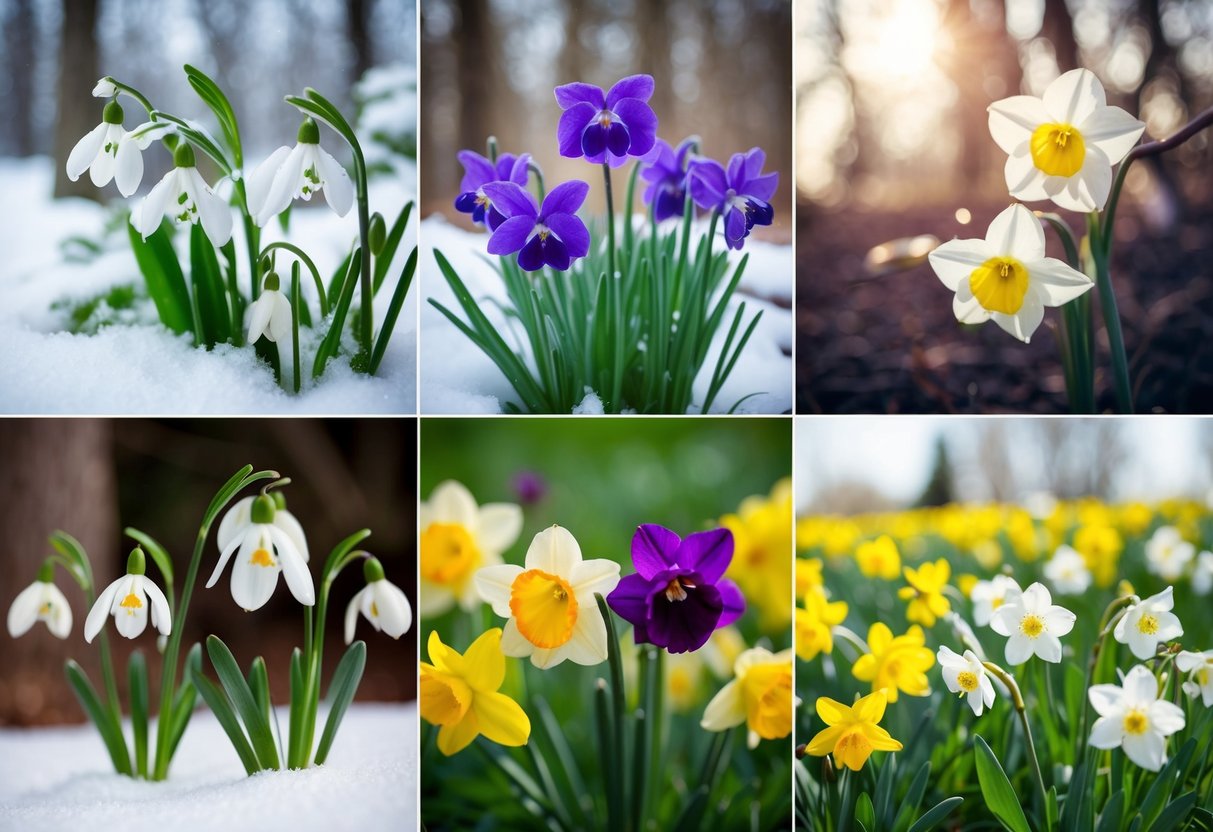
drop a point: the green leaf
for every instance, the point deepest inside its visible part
(393, 311)
(102, 717)
(185, 698)
(162, 273)
(137, 674)
(214, 98)
(341, 691)
(1177, 810)
(884, 791)
(864, 812)
(332, 339)
(296, 307)
(383, 260)
(1113, 813)
(936, 814)
(73, 552)
(298, 706)
(241, 696)
(909, 804)
(222, 709)
(212, 311)
(996, 788)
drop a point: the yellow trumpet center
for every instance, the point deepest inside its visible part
(1032, 625)
(1136, 722)
(544, 608)
(999, 284)
(262, 557)
(449, 553)
(131, 603)
(444, 698)
(1058, 149)
(967, 681)
(1147, 625)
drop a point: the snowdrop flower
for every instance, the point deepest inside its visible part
(1006, 276)
(1132, 716)
(1149, 623)
(1062, 146)
(298, 173)
(270, 314)
(183, 195)
(1200, 665)
(126, 599)
(1202, 575)
(41, 601)
(1067, 571)
(1167, 553)
(1033, 623)
(109, 152)
(550, 601)
(268, 544)
(381, 602)
(988, 596)
(105, 88)
(966, 675)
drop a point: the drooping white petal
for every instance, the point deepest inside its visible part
(85, 151)
(1056, 282)
(285, 184)
(234, 521)
(395, 614)
(1074, 96)
(255, 571)
(281, 329)
(129, 164)
(156, 204)
(150, 131)
(294, 567)
(1012, 120)
(351, 613)
(59, 620)
(101, 608)
(1024, 322)
(162, 619)
(101, 171)
(235, 541)
(338, 190)
(1015, 232)
(23, 613)
(259, 313)
(130, 607)
(257, 185)
(213, 212)
(289, 524)
(955, 260)
(1113, 131)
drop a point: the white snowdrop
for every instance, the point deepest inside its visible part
(1132, 716)
(127, 600)
(1200, 665)
(1067, 572)
(966, 675)
(1033, 624)
(988, 596)
(40, 601)
(1168, 554)
(270, 314)
(105, 88)
(298, 173)
(381, 602)
(1149, 623)
(269, 543)
(183, 195)
(110, 152)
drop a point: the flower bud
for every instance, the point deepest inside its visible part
(112, 114)
(136, 563)
(263, 509)
(105, 88)
(377, 233)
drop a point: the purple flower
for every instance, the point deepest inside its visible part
(607, 128)
(551, 234)
(678, 595)
(666, 173)
(530, 487)
(478, 172)
(741, 195)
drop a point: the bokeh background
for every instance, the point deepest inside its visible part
(92, 478)
(892, 142)
(722, 68)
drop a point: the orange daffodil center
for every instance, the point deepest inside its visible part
(544, 607)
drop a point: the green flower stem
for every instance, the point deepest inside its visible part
(1075, 328)
(252, 240)
(111, 685)
(1022, 712)
(616, 293)
(1111, 317)
(1106, 623)
(138, 96)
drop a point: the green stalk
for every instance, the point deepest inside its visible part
(111, 686)
(616, 297)
(1111, 317)
(1022, 712)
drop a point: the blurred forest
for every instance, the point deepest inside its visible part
(892, 142)
(53, 51)
(723, 71)
(91, 478)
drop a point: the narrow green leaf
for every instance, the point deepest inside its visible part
(332, 340)
(1175, 813)
(111, 732)
(296, 306)
(383, 260)
(996, 788)
(393, 311)
(72, 551)
(222, 709)
(213, 96)
(184, 700)
(137, 676)
(341, 691)
(1113, 813)
(238, 691)
(298, 705)
(259, 684)
(913, 797)
(162, 273)
(211, 298)
(936, 814)
(865, 813)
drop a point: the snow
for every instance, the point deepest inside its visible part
(61, 779)
(137, 365)
(458, 378)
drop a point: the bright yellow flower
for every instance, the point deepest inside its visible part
(459, 692)
(1100, 546)
(965, 584)
(815, 624)
(879, 558)
(853, 733)
(760, 695)
(1135, 518)
(925, 592)
(896, 663)
(808, 575)
(762, 553)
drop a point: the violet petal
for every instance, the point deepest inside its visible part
(572, 233)
(569, 95)
(511, 199)
(634, 86)
(565, 198)
(654, 549)
(530, 258)
(733, 600)
(511, 235)
(708, 553)
(572, 124)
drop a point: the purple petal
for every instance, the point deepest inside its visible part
(706, 179)
(762, 187)
(654, 549)
(641, 122)
(754, 160)
(684, 147)
(593, 140)
(629, 599)
(570, 95)
(733, 600)
(572, 124)
(518, 173)
(505, 163)
(572, 232)
(618, 139)
(477, 170)
(492, 217)
(511, 199)
(565, 198)
(466, 203)
(683, 626)
(634, 86)
(530, 259)
(511, 235)
(734, 228)
(556, 253)
(736, 172)
(670, 203)
(708, 553)
(661, 155)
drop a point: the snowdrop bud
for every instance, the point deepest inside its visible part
(136, 563)
(279, 500)
(112, 114)
(377, 233)
(493, 149)
(183, 156)
(272, 284)
(105, 88)
(263, 507)
(309, 132)
(267, 263)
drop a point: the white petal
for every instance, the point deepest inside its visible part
(1086, 190)
(60, 620)
(252, 583)
(24, 611)
(1005, 619)
(131, 621)
(588, 644)
(395, 614)
(1147, 749)
(338, 190)
(1036, 599)
(85, 151)
(156, 203)
(494, 584)
(433, 599)
(351, 613)
(450, 502)
(1140, 685)
(967, 308)
(1019, 649)
(101, 171)
(1014, 119)
(294, 567)
(235, 541)
(1166, 717)
(129, 166)
(951, 677)
(234, 522)
(1162, 601)
(161, 617)
(498, 526)
(213, 212)
(101, 608)
(1056, 282)
(1017, 233)
(726, 710)
(1074, 97)
(1107, 732)
(1141, 645)
(150, 131)
(513, 642)
(1048, 647)
(283, 187)
(987, 691)
(1187, 660)
(1113, 131)
(1024, 180)
(947, 657)
(1107, 700)
(1059, 621)
(1024, 322)
(594, 576)
(975, 701)
(955, 260)
(286, 521)
(555, 551)
(259, 314)
(281, 324)
(257, 186)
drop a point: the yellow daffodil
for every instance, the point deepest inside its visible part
(460, 693)
(815, 623)
(853, 733)
(808, 575)
(762, 551)
(879, 558)
(760, 695)
(925, 592)
(1100, 546)
(896, 663)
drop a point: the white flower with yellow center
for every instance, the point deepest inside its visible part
(457, 538)
(381, 602)
(966, 675)
(988, 596)
(1006, 276)
(41, 601)
(1149, 623)
(127, 600)
(1062, 146)
(270, 542)
(549, 601)
(1067, 572)
(1200, 665)
(298, 173)
(1168, 554)
(1132, 716)
(1033, 624)
(1202, 574)
(184, 196)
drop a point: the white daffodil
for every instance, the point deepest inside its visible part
(298, 173)
(1068, 572)
(1168, 554)
(109, 152)
(988, 596)
(966, 675)
(550, 601)
(1062, 146)
(381, 602)
(457, 538)
(41, 601)
(1149, 623)
(1006, 276)
(1131, 715)
(1034, 624)
(266, 548)
(126, 599)
(1200, 665)
(183, 195)
(1202, 574)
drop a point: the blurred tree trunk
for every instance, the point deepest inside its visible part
(1161, 62)
(19, 42)
(474, 68)
(360, 41)
(1058, 27)
(655, 55)
(77, 111)
(576, 18)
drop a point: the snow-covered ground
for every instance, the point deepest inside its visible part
(456, 377)
(54, 779)
(136, 365)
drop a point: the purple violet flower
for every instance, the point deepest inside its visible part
(478, 172)
(529, 486)
(610, 127)
(666, 173)
(550, 234)
(741, 195)
(678, 595)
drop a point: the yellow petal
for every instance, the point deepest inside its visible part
(871, 707)
(879, 637)
(501, 719)
(880, 739)
(853, 750)
(444, 658)
(864, 668)
(726, 709)
(444, 698)
(833, 712)
(824, 742)
(454, 738)
(484, 663)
